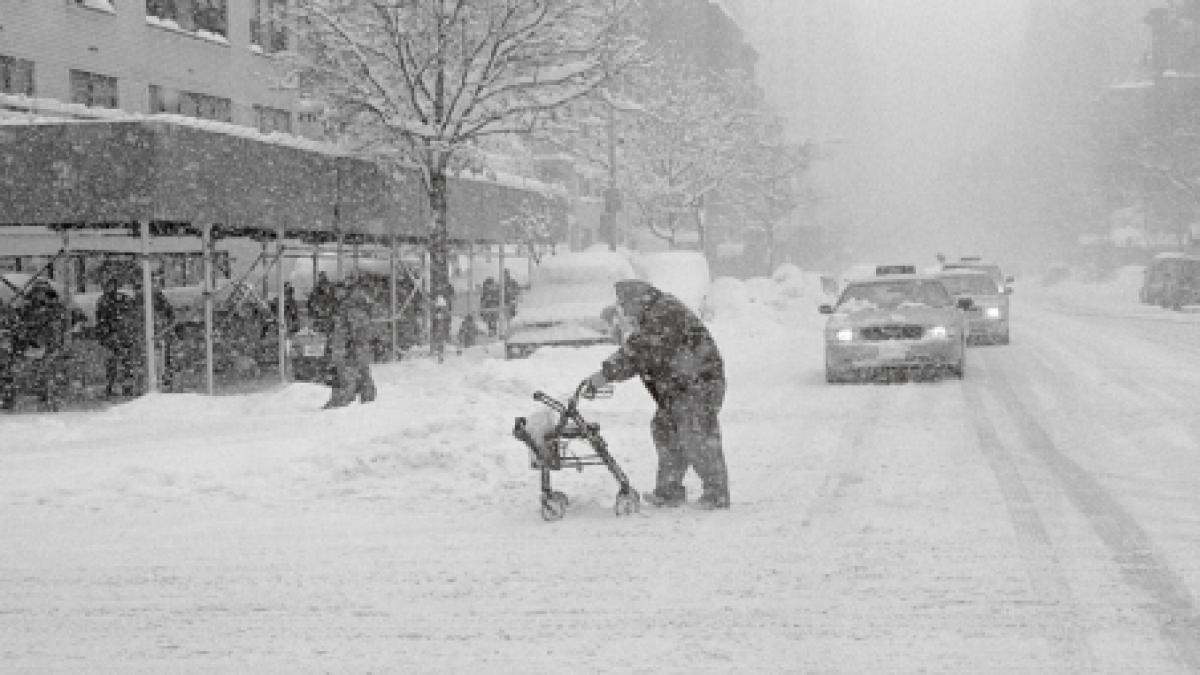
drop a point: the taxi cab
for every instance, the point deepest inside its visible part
(987, 320)
(897, 323)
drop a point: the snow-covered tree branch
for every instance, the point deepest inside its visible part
(424, 81)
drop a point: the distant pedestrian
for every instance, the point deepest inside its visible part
(489, 304)
(116, 330)
(8, 336)
(291, 310)
(350, 346)
(468, 332)
(45, 322)
(512, 291)
(440, 326)
(321, 301)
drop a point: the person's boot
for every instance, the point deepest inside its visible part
(712, 500)
(669, 498)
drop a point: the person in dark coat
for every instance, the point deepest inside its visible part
(350, 347)
(489, 304)
(117, 331)
(322, 303)
(468, 332)
(678, 361)
(8, 337)
(511, 292)
(45, 321)
(291, 310)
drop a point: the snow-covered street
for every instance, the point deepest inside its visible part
(1042, 515)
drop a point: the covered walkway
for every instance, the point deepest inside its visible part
(152, 177)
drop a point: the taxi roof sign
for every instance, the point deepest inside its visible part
(881, 270)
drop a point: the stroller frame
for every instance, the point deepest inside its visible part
(553, 453)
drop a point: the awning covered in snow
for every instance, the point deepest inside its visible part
(112, 173)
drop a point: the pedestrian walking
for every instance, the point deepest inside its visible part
(675, 356)
(350, 346)
(468, 332)
(116, 331)
(489, 304)
(44, 323)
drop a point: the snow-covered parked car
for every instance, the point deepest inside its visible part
(568, 303)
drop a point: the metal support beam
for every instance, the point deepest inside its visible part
(207, 242)
(282, 307)
(503, 295)
(148, 309)
(393, 292)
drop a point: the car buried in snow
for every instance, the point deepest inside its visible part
(895, 325)
(987, 320)
(569, 303)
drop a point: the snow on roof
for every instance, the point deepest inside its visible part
(21, 110)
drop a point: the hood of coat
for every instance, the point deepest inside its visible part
(635, 295)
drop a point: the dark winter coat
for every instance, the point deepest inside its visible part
(117, 320)
(322, 303)
(350, 340)
(670, 348)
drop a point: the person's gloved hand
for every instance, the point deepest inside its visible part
(596, 381)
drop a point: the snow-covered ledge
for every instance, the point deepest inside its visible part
(105, 6)
(172, 26)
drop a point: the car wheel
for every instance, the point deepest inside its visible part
(833, 376)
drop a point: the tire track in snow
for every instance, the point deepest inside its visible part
(1128, 543)
(1046, 574)
(843, 471)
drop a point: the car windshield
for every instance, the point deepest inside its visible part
(892, 294)
(970, 284)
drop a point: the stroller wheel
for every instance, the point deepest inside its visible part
(628, 503)
(554, 506)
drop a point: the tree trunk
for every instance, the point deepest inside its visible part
(439, 253)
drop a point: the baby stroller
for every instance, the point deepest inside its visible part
(549, 433)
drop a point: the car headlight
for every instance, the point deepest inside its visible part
(844, 335)
(939, 332)
(992, 312)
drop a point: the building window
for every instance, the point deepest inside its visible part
(16, 76)
(94, 91)
(266, 26)
(273, 119)
(190, 103)
(211, 16)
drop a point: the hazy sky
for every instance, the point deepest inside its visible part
(908, 84)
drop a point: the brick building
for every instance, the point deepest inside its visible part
(199, 58)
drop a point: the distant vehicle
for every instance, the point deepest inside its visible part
(977, 263)
(987, 320)
(890, 324)
(1170, 280)
(569, 303)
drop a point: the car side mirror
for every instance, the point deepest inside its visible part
(825, 309)
(965, 304)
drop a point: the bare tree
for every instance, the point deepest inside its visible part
(424, 82)
(684, 142)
